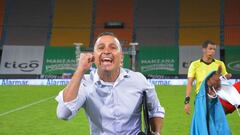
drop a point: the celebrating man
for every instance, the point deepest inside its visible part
(110, 95)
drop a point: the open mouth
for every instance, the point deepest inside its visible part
(106, 60)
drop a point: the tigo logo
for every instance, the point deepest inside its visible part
(24, 66)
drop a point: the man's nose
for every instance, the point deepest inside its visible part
(106, 50)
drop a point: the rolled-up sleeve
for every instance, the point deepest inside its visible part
(66, 110)
(154, 107)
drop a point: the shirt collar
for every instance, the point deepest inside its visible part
(201, 60)
(123, 74)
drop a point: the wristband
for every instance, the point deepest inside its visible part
(187, 100)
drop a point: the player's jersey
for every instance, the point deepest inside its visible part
(199, 70)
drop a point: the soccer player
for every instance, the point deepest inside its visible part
(200, 68)
(111, 95)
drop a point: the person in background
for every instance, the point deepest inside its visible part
(200, 68)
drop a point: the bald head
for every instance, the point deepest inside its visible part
(107, 37)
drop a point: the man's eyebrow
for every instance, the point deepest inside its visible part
(113, 44)
(99, 44)
(116, 45)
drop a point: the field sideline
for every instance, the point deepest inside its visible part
(31, 110)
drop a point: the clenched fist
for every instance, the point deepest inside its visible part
(85, 61)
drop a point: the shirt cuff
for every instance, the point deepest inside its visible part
(158, 112)
(71, 105)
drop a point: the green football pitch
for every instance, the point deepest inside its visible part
(31, 110)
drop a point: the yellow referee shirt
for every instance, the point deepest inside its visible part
(199, 70)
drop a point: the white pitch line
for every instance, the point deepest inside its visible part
(25, 106)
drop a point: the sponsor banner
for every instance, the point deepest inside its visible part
(22, 59)
(187, 54)
(34, 81)
(156, 60)
(168, 81)
(59, 60)
(232, 59)
(66, 81)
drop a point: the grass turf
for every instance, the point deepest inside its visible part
(40, 118)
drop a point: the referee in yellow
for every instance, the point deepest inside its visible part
(200, 68)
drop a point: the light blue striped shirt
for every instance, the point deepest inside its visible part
(112, 108)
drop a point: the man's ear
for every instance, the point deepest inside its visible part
(203, 50)
(122, 58)
(122, 54)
